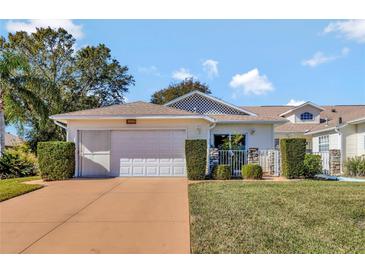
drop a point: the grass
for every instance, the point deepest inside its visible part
(10, 188)
(277, 217)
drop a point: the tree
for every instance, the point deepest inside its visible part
(175, 90)
(11, 64)
(2, 125)
(65, 78)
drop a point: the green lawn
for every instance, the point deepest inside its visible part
(277, 217)
(10, 188)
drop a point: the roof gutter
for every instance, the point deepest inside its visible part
(325, 129)
(118, 117)
(60, 124)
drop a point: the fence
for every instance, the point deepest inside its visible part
(269, 160)
(234, 158)
(325, 157)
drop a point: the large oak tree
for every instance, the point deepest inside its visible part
(64, 77)
(175, 90)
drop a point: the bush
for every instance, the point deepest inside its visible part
(221, 172)
(252, 171)
(312, 165)
(18, 162)
(56, 160)
(355, 166)
(196, 158)
(292, 157)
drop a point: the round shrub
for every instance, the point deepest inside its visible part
(312, 165)
(252, 171)
(221, 172)
(56, 160)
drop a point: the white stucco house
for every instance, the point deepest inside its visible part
(144, 139)
(338, 127)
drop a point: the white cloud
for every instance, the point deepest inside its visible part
(151, 70)
(350, 29)
(251, 82)
(182, 74)
(320, 58)
(30, 26)
(211, 68)
(295, 103)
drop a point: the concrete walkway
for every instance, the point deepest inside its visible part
(120, 215)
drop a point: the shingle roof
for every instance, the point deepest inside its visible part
(248, 118)
(346, 112)
(135, 108)
(12, 140)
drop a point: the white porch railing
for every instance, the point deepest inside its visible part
(269, 160)
(235, 158)
(325, 157)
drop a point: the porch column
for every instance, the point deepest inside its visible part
(253, 155)
(335, 161)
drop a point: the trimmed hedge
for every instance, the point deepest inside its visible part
(56, 160)
(292, 157)
(312, 165)
(196, 158)
(221, 172)
(252, 171)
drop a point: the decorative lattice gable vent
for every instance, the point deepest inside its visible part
(203, 105)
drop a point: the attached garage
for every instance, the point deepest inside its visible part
(132, 153)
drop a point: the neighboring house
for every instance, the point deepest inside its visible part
(144, 139)
(339, 127)
(12, 140)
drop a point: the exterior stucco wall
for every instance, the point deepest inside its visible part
(349, 137)
(334, 140)
(258, 136)
(195, 128)
(361, 139)
(295, 116)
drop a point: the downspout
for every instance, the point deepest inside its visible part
(208, 145)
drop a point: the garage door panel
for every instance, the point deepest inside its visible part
(151, 171)
(148, 153)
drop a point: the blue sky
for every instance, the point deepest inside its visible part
(245, 62)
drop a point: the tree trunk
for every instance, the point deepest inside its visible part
(2, 125)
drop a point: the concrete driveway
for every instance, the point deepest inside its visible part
(119, 215)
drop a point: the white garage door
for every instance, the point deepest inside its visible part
(148, 153)
(94, 153)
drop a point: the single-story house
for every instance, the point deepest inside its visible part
(144, 139)
(12, 140)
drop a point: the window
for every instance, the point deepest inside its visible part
(230, 141)
(306, 116)
(324, 144)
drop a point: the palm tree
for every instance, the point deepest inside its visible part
(2, 125)
(14, 83)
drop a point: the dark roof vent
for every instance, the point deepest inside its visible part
(340, 120)
(334, 110)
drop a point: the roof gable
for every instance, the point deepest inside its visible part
(301, 106)
(202, 103)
